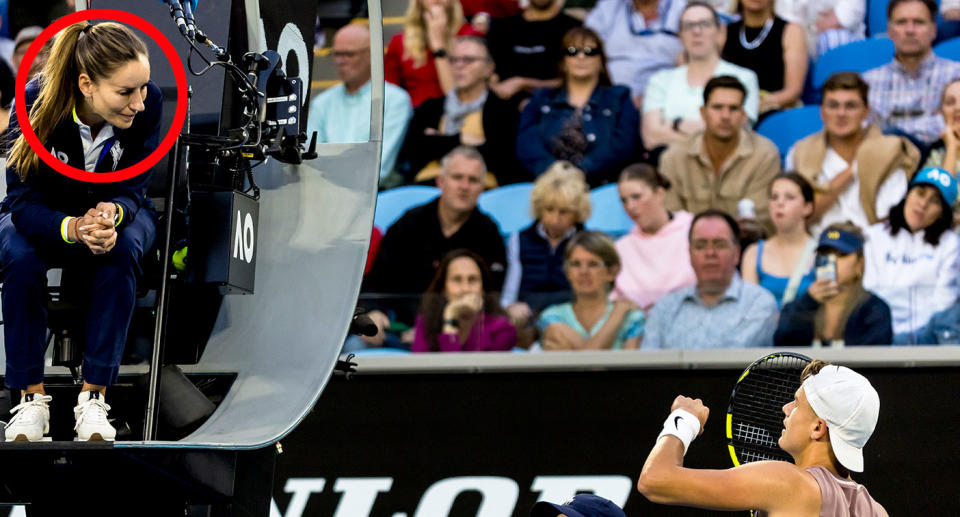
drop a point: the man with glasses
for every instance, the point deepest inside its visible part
(470, 114)
(342, 113)
(640, 37)
(673, 98)
(721, 310)
(905, 93)
(858, 173)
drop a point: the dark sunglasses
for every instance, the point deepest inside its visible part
(587, 51)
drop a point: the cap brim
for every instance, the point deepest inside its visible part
(545, 509)
(837, 246)
(848, 455)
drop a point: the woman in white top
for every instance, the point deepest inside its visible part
(912, 258)
(671, 103)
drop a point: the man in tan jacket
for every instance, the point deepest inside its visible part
(724, 164)
(858, 173)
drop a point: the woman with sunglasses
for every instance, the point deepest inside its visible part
(913, 259)
(587, 121)
(836, 308)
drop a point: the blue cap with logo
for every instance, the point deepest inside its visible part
(840, 240)
(943, 180)
(583, 505)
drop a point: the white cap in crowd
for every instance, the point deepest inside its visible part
(848, 403)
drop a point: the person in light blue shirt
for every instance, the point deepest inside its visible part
(721, 311)
(591, 321)
(342, 113)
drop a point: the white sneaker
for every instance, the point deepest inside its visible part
(91, 416)
(31, 419)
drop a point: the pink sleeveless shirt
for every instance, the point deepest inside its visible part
(841, 497)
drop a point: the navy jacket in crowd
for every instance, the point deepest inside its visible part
(543, 282)
(39, 204)
(869, 323)
(611, 126)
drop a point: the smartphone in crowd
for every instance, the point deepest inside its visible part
(825, 266)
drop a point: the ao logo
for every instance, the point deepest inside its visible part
(941, 177)
(243, 238)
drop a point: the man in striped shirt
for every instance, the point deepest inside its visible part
(905, 93)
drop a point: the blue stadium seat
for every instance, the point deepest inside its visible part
(858, 56)
(787, 126)
(608, 215)
(391, 204)
(508, 206)
(877, 17)
(949, 49)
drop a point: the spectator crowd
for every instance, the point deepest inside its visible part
(847, 238)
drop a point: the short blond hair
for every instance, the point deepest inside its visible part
(561, 183)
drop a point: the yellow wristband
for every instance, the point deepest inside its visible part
(119, 217)
(65, 230)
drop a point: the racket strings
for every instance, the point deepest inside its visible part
(757, 408)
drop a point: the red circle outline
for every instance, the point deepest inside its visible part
(180, 114)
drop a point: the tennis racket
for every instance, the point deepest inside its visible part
(755, 415)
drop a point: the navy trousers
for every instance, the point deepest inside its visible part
(113, 280)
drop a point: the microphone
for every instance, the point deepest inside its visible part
(362, 325)
(188, 17)
(176, 12)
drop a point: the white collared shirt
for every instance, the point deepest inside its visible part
(92, 147)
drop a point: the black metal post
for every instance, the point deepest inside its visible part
(160, 326)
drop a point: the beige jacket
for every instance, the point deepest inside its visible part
(877, 158)
(746, 174)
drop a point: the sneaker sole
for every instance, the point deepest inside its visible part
(95, 437)
(22, 438)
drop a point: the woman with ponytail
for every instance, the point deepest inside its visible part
(93, 107)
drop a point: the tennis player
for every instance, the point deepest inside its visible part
(829, 421)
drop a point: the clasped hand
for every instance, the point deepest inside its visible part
(96, 228)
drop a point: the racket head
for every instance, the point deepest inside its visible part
(755, 413)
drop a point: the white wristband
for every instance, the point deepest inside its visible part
(682, 424)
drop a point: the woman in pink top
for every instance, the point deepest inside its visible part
(655, 254)
(457, 314)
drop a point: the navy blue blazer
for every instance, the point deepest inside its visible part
(611, 125)
(39, 204)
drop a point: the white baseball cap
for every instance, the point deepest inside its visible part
(848, 403)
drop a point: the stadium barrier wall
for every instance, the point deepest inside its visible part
(487, 435)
